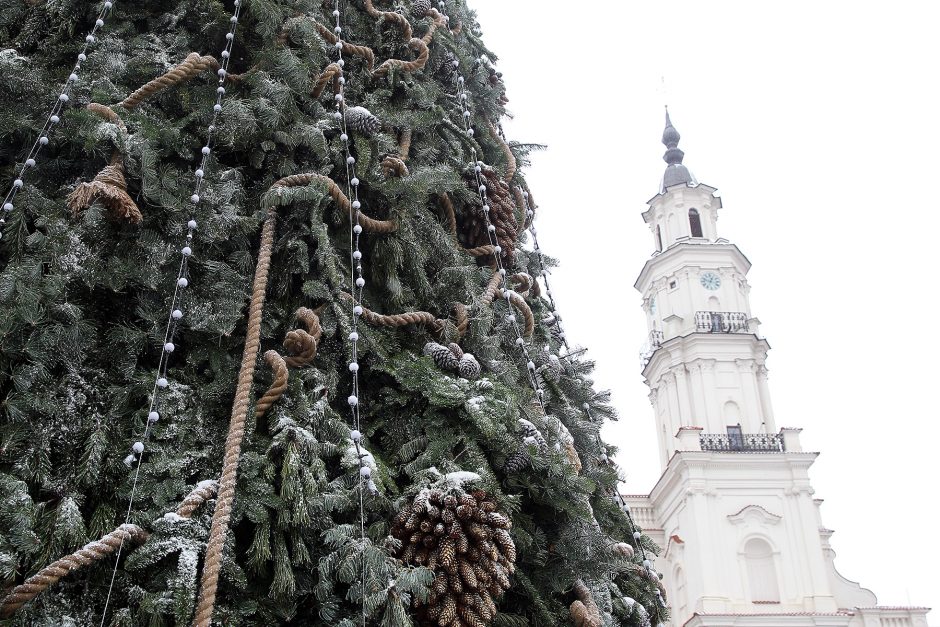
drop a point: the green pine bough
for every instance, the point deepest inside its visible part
(85, 289)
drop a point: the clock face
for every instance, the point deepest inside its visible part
(710, 281)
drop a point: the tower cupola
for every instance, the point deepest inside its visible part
(676, 173)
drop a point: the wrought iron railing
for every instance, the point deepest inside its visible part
(721, 322)
(654, 342)
(656, 339)
(742, 442)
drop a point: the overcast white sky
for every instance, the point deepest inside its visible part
(817, 122)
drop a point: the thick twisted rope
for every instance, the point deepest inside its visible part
(368, 224)
(507, 152)
(302, 343)
(419, 62)
(438, 21)
(297, 341)
(400, 320)
(109, 185)
(330, 74)
(519, 303)
(390, 16)
(491, 289)
(88, 554)
(200, 494)
(223, 510)
(392, 165)
(404, 144)
(448, 206)
(95, 551)
(523, 280)
(236, 432)
(278, 385)
(107, 114)
(348, 48)
(480, 251)
(419, 45)
(190, 67)
(463, 320)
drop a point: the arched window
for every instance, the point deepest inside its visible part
(731, 413)
(695, 222)
(681, 597)
(761, 571)
(659, 238)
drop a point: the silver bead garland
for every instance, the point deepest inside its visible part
(355, 253)
(466, 114)
(357, 287)
(463, 98)
(182, 281)
(54, 116)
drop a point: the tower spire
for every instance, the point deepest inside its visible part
(676, 173)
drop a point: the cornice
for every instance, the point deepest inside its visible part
(703, 252)
(752, 468)
(676, 348)
(754, 511)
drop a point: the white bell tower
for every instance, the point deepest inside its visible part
(743, 542)
(711, 373)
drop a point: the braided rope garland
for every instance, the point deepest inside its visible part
(113, 178)
(295, 340)
(182, 282)
(500, 276)
(95, 551)
(53, 118)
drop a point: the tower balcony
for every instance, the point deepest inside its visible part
(721, 322)
(655, 341)
(736, 442)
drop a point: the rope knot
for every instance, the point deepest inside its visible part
(110, 188)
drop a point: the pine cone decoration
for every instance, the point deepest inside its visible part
(420, 8)
(623, 550)
(517, 462)
(362, 121)
(551, 369)
(529, 430)
(442, 356)
(472, 223)
(447, 66)
(469, 549)
(468, 367)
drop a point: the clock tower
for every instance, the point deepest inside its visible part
(742, 537)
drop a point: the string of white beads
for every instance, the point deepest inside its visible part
(466, 114)
(175, 316)
(54, 116)
(463, 98)
(182, 282)
(357, 279)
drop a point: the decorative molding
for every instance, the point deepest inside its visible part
(756, 513)
(674, 545)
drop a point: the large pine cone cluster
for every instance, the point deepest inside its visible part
(466, 542)
(452, 357)
(471, 225)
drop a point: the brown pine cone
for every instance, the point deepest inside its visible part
(465, 542)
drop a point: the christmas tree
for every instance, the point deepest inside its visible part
(276, 343)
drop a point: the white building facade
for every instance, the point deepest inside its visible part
(743, 541)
